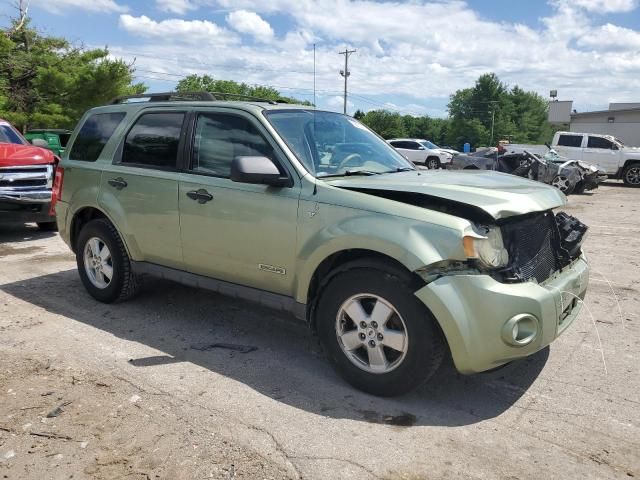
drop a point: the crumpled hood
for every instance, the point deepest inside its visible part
(14, 155)
(498, 194)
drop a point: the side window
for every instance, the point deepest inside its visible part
(395, 144)
(570, 140)
(219, 138)
(94, 135)
(153, 140)
(599, 142)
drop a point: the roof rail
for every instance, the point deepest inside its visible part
(192, 96)
(166, 97)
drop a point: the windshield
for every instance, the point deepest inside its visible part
(332, 144)
(619, 141)
(9, 135)
(428, 144)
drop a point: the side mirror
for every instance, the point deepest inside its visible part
(258, 170)
(421, 148)
(38, 142)
(614, 147)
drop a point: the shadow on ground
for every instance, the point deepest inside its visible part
(287, 365)
(20, 232)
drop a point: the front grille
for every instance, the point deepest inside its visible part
(533, 247)
(26, 178)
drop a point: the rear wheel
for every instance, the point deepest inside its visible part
(432, 163)
(631, 175)
(103, 263)
(379, 336)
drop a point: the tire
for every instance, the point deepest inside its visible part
(631, 175)
(123, 283)
(420, 352)
(432, 163)
(579, 188)
(48, 226)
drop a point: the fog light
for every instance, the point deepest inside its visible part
(520, 330)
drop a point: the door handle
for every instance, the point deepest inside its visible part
(119, 183)
(201, 196)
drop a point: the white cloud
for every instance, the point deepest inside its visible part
(605, 6)
(177, 30)
(250, 23)
(63, 6)
(414, 53)
(179, 7)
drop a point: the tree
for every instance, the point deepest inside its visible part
(359, 115)
(385, 123)
(45, 82)
(206, 83)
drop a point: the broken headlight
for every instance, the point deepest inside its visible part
(486, 246)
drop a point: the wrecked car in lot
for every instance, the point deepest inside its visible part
(568, 176)
(311, 213)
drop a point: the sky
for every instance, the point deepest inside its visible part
(410, 56)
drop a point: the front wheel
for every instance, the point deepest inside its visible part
(432, 163)
(379, 336)
(103, 263)
(631, 175)
(48, 226)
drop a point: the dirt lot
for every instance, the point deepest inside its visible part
(128, 391)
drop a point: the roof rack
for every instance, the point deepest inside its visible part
(191, 96)
(165, 97)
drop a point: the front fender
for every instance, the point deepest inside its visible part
(411, 242)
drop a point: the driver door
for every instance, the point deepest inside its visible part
(236, 232)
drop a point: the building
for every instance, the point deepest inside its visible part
(622, 120)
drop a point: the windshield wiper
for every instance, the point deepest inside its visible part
(351, 173)
(402, 169)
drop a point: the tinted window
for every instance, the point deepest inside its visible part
(570, 140)
(153, 140)
(598, 142)
(219, 138)
(94, 135)
(395, 144)
(413, 146)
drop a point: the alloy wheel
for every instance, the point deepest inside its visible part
(562, 183)
(371, 333)
(98, 263)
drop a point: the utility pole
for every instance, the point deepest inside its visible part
(493, 117)
(345, 73)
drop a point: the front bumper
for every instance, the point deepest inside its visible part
(25, 206)
(473, 309)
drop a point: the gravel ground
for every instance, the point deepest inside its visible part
(127, 391)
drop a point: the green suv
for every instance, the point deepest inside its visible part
(309, 212)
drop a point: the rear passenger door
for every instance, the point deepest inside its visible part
(236, 232)
(140, 188)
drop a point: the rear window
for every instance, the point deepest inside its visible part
(94, 135)
(570, 140)
(153, 141)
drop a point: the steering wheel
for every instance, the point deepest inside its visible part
(348, 159)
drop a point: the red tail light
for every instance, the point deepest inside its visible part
(56, 190)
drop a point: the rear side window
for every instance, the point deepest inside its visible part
(570, 140)
(219, 138)
(599, 142)
(94, 135)
(153, 140)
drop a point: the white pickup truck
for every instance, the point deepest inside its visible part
(604, 151)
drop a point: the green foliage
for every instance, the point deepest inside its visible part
(45, 82)
(206, 83)
(515, 114)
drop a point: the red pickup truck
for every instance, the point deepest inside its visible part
(26, 180)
